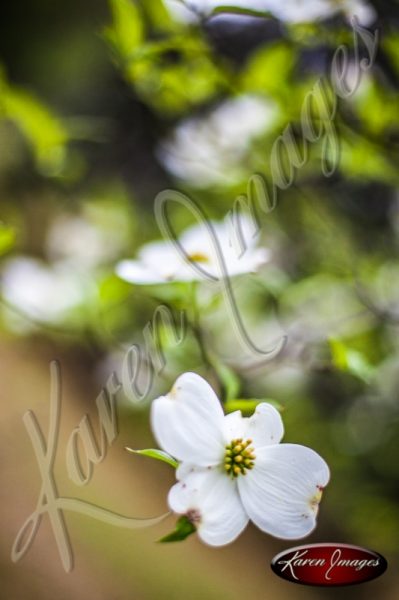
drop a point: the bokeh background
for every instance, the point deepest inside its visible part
(102, 106)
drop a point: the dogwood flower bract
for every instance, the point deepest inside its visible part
(291, 11)
(212, 149)
(233, 469)
(161, 262)
(303, 11)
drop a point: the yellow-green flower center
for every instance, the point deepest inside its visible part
(239, 457)
(198, 257)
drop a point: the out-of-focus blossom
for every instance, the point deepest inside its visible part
(291, 11)
(302, 11)
(41, 292)
(188, 11)
(161, 262)
(205, 151)
(77, 240)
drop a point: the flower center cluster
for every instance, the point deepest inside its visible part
(198, 257)
(239, 457)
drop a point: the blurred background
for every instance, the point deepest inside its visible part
(104, 105)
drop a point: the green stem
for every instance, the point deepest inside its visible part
(228, 382)
(197, 330)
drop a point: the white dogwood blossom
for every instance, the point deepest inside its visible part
(291, 11)
(233, 469)
(161, 262)
(303, 11)
(211, 149)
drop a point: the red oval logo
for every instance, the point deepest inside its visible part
(329, 564)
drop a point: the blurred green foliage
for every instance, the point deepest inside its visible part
(7, 238)
(42, 129)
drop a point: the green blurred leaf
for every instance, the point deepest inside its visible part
(157, 455)
(159, 16)
(174, 292)
(230, 381)
(158, 68)
(351, 361)
(7, 238)
(184, 528)
(113, 290)
(365, 160)
(127, 32)
(378, 108)
(390, 44)
(44, 131)
(248, 406)
(269, 70)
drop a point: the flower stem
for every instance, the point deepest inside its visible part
(196, 328)
(227, 381)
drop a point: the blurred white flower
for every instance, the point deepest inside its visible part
(161, 262)
(76, 240)
(233, 469)
(205, 151)
(364, 11)
(303, 11)
(291, 11)
(41, 292)
(189, 10)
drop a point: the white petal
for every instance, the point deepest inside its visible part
(234, 427)
(134, 271)
(212, 496)
(282, 493)
(198, 240)
(249, 262)
(184, 469)
(364, 12)
(158, 254)
(265, 427)
(158, 262)
(188, 422)
(188, 492)
(167, 259)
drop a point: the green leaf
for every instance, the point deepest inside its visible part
(230, 381)
(365, 160)
(43, 130)
(248, 406)
(184, 528)
(7, 238)
(351, 361)
(269, 70)
(112, 289)
(157, 454)
(158, 67)
(378, 109)
(126, 33)
(159, 16)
